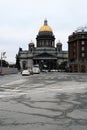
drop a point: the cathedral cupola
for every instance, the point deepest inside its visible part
(45, 37)
(45, 27)
(31, 46)
(59, 46)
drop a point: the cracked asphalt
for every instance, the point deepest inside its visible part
(46, 101)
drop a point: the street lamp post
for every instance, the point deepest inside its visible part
(2, 56)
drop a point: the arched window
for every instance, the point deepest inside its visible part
(24, 64)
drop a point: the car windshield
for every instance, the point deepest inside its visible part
(36, 66)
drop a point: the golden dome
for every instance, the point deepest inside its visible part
(45, 27)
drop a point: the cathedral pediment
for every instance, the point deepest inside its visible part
(45, 55)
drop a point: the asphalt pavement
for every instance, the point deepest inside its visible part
(45, 101)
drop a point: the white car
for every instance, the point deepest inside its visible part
(36, 70)
(25, 73)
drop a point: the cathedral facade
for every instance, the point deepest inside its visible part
(46, 54)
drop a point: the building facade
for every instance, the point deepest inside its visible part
(46, 54)
(77, 50)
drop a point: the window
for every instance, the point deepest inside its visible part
(82, 48)
(83, 43)
(83, 54)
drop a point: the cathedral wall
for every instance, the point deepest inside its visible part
(30, 63)
(23, 64)
(26, 63)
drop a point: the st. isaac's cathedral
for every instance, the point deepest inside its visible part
(46, 54)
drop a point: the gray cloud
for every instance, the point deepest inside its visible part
(20, 21)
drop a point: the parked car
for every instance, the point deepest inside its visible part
(36, 69)
(25, 73)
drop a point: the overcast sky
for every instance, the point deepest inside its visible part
(20, 21)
